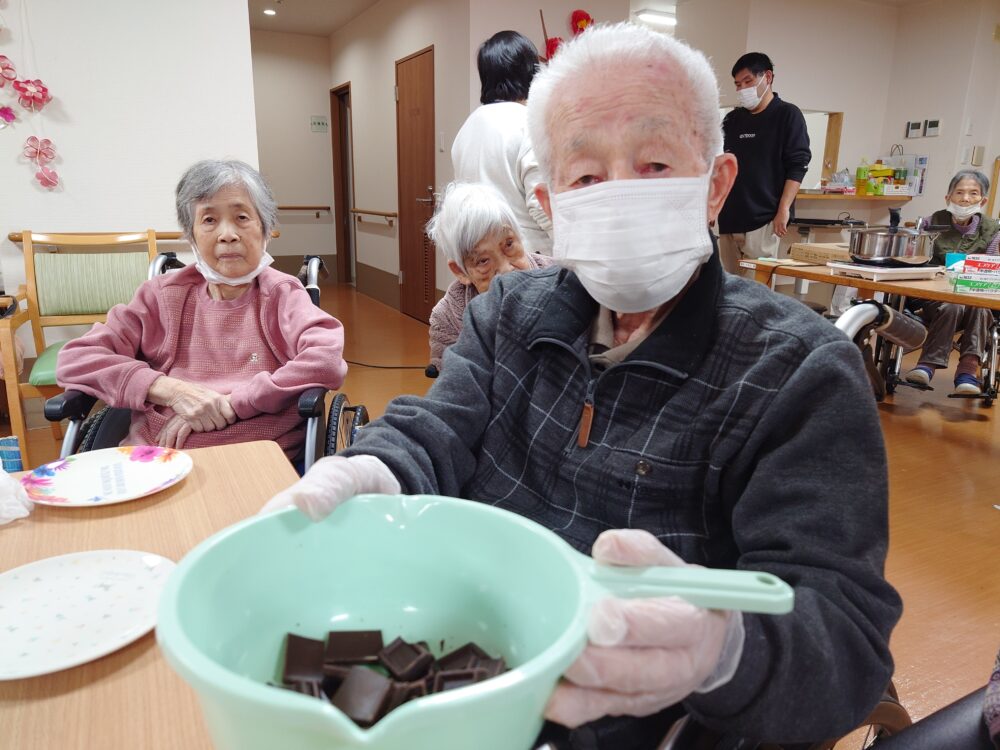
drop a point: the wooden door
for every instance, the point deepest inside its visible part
(343, 180)
(415, 165)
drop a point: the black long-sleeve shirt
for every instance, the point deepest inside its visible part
(770, 147)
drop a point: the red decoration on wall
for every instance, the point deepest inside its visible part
(7, 116)
(32, 95)
(47, 177)
(580, 20)
(39, 151)
(7, 72)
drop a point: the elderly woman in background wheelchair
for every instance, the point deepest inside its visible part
(477, 232)
(217, 352)
(970, 232)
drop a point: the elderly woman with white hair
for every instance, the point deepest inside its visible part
(651, 409)
(217, 352)
(477, 233)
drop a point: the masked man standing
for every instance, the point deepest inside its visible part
(652, 410)
(769, 139)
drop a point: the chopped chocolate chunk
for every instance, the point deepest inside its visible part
(406, 661)
(353, 647)
(334, 677)
(307, 687)
(303, 659)
(450, 679)
(464, 657)
(493, 667)
(404, 691)
(363, 695)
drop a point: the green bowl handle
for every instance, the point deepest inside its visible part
(743, 590)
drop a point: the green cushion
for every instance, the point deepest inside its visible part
(44, 371)
(87, 283)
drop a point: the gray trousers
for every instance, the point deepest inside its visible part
(943, 319)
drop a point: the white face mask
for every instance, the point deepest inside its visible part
(963, 212)
(214, 277)
(634, 244)
(748, 98)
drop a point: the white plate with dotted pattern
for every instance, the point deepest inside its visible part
(64, 611)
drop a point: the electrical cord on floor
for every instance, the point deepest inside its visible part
(386, 367)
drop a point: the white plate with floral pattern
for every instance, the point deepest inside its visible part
(63, 611)
(107, 476)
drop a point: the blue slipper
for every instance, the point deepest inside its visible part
(967, 385)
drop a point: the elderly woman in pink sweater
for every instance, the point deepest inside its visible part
(217, 352)
(477, 232)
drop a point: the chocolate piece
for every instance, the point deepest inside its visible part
(493, 667)
(363, 695)
(464, 657)
(353, 647)
(406, 661)
(303, 659)
(404, 691)
(452, 679)
(334, 677)
(307, 687)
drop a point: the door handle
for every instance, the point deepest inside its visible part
(424, 200)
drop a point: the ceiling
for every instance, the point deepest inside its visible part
(315, 17)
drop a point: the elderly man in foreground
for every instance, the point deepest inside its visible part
(651, 409)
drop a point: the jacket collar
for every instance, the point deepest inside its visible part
(680, 342)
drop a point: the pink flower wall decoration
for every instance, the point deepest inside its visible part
(47, 178)
(7, 115)
(32, 94)
(39, 151)
(7, 72)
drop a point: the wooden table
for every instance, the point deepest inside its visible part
(131, 698)
(935, 289)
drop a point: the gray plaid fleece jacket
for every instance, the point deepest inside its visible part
(742, 433)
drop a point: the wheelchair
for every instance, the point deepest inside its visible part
(109, 426)
(887, 719)
(888, 357)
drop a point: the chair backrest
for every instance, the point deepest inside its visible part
(82, 276)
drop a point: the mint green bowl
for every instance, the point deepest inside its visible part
(420, 567)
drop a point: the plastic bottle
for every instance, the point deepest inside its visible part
(861, 178)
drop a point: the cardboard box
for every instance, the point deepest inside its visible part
(820, 252)
(970, 283)
(982, 264)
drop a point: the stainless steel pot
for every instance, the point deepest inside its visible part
(892, 245)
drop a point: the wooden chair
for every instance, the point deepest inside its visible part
(75, 282)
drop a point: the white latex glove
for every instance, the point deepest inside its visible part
(331, 481)
(645, 654)
(14, 502)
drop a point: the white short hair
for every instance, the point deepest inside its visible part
(468, 213)
(602, 46)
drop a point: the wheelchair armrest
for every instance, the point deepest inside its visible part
(69, 405)
(312, 403)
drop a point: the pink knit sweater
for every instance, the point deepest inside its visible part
(446, 317)
(263, 349)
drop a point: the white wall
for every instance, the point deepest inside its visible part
(831, 56)
(291, 81)
(364, 53)
(487, 17)
(719, 29)
(142, 90)
(945, 67)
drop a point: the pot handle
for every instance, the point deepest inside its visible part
(713, 588)
(893, 220)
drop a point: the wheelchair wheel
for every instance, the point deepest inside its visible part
(90, 429)
(338, 425)
(359, 420)
(886, 719)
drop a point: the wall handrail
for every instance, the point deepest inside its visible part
(16, 236)
(389, 216)
(304, 208)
